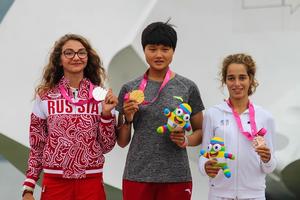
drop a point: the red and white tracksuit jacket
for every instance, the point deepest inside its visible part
(68, 140)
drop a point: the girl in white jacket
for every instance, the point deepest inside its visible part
(248, 132)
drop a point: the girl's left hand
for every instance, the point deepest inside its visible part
(264, 153)
(178, 137)
(109, 103)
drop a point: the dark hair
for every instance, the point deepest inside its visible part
(159, 33)
(53, 71)
(249, 64)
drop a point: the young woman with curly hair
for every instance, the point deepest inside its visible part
(70, 131)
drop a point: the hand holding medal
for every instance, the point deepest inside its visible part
(99, 93)
(135, 95)
(259, 140)
(109, 100)
(131, 104)
(260, 146)
(264, 153)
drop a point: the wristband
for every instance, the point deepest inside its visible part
(187, 140)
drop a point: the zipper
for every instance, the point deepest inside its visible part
(75, 96)
(237, 164)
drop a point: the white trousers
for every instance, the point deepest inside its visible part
(211, 197)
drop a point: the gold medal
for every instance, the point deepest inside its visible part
(137, 95)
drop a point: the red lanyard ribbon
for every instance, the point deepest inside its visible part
(144, 82)
(237, 118)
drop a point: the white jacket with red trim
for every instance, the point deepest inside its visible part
(68, 140)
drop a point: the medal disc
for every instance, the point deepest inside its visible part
(99, 93)
(258, 141)
(137, 95)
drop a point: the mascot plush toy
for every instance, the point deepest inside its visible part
(180, 117)
(216, 150)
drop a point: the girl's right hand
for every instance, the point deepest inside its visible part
(28, 196)
(130, 107)
(211, 168)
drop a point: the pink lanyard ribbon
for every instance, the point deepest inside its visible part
(253, 133)
(80, 102)
(144, 82)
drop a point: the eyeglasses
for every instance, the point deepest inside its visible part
(70, 53)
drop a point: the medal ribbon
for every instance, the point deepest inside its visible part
(144, 82)
(237, 118)
(80, 102)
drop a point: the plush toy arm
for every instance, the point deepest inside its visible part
(204, 153)
(225, 169)
(162, 129)
(229, 155)
(187, 127)
(167, 112)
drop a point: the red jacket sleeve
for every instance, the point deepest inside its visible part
(107, 133)
(37, 139)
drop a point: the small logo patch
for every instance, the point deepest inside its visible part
(188, 190)
(224, 122)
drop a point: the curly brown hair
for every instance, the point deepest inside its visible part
(53, 71)
(249, 64)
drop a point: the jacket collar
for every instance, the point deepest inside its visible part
(83, 90)
(225, 107)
